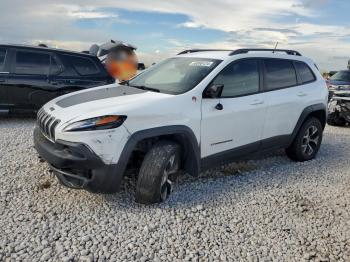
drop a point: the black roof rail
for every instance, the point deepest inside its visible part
(246, 50)
(201, 50)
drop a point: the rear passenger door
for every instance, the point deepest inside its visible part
(79, 73)
(28, 80)
(285, 100)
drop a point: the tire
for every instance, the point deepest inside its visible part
(307, 142)
(335, 120)
(153, 183)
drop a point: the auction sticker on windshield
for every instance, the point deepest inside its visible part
(201, 63)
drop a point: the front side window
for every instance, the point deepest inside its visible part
(84, 66)
(239, 78)
(304, 72)
(2, 58)
(175, 75)
(279, 73)
(32, 63)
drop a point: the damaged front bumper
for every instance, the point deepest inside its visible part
(340, 107)
(77, 166)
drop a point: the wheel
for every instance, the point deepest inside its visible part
(307, 142)
(160, 163)
(335, 120)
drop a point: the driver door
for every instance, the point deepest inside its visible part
(236, 126)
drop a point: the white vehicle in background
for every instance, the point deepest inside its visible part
(199, 109)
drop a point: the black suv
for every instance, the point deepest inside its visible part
(30, 76)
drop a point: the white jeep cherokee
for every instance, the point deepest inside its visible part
(199, 109)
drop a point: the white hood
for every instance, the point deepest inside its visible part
(110, 99)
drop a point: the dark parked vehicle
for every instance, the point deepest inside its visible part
(31, 76)
(340, 81)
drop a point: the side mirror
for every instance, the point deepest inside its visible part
(213, 91)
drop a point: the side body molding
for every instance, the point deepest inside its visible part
(193, 163)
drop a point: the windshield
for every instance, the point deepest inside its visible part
(175, 75)
(341, 76)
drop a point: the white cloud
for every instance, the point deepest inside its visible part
(248, 23)
(189, 25)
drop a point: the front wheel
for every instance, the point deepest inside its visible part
(153, 183)
(307, 142)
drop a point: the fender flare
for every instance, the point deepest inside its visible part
(305, 114)
(188, 141)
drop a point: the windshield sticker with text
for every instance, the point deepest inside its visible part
(201, 63)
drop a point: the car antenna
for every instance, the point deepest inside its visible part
(275, 47)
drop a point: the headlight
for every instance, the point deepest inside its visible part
(96, 123)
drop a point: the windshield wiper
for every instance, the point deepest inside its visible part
(146, 88)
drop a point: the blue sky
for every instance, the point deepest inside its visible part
(151, 31)
(319, 29)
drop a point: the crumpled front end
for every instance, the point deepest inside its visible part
(339, 107)
(77, 166)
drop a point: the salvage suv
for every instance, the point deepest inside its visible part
(199, 109)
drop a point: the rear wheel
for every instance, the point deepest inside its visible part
(159, 165)
(307, 142)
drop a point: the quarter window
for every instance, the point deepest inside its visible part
(83, 66)
(2, 58)
(239, 78)
(32, 63)
(304, 72)
(279, 74)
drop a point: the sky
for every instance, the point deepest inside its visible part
(319, 29)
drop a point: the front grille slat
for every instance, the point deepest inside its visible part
(52, 128)
(43, 120)
(47, 124)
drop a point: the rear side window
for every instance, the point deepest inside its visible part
(279, 73)
(2, 58)
(305, 72)
(239, 78)
(84, 66)
(32, 63)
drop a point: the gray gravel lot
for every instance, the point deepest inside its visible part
(269, 210)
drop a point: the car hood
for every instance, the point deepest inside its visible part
(110, 99)
(337, 83)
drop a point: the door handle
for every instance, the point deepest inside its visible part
(301, 94)
(257, 102)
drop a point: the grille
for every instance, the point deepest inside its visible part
(47, 124)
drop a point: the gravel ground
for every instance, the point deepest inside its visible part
(268, 210)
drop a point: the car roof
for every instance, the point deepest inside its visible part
(42, 48)
(233, 55)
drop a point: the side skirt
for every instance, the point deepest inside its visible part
(246, 152)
